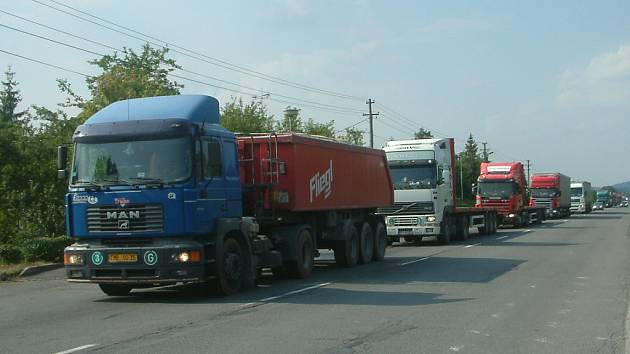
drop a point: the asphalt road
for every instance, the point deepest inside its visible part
(562, 287)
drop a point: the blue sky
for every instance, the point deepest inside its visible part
(544, 81)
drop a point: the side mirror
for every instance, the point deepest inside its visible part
(473, 188)
(445, 178)
(62, 162)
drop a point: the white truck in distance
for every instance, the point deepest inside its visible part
(581, 197)
(423, 178)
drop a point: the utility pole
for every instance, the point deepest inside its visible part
(485, 152)
(371, 115)
(461, 179)
(527, 182)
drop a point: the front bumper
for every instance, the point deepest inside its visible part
(153, 265)
(410, 231)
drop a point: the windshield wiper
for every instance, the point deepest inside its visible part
(148, 180)
(87, 183)
(404, 208)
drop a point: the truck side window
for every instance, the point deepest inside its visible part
(440, 174)
(230, 162)
(212, 158)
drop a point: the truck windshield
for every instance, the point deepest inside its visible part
(133, 162)
(576, 191)
(545, 192)
(497, 189)
(414, 176)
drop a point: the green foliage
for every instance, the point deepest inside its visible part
(9, 98)
(423, 134)
(45, 248)
(353, 136)
(322, 129)
(10, 254)
(470, 161)
(291, 121)
(131, 76)
(246, 118)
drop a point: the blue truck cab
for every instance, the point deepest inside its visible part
(155, 198)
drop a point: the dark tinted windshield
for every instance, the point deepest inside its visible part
(576, 191)
(414, 176)
(168, 160)
(545, 192)
(497, 189)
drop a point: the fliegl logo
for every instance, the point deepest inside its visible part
(322, 183)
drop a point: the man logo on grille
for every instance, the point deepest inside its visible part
(123, 224)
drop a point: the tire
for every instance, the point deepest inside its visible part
(409, 239)
(525, 219)
(302, 267)
(347, 251)
(495, 223)
(115, 289)
(230, 267)
(380, 242)
(444, 238)
(462, 228)
(366, 244)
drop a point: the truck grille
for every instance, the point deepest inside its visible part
(503, 206)
(418, 208)
(132, 218)
(546, 202)
(405, 221)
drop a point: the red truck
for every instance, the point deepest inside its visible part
(502, 185)
(553, 192)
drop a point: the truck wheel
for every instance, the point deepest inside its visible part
(303, 265)
(494, 221)
(347, 251)
(462, 228)
(380, 242)
(444, 238)
(115, 289)
(230, 267)
(366, 244)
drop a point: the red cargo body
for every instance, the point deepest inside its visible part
(301, 173)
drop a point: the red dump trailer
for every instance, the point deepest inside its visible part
(294, 183)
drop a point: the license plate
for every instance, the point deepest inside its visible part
(405, 232)
(122, 258)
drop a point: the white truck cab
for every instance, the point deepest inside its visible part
(423, 187)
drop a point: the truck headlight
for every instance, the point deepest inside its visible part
(186, 257)
(72, 259)
(430, 218)
(511, 215)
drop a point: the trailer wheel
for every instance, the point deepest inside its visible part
(230, 267)
(494, 222)
(366, 244)
(380, 242)
(462, 228)
(347, 251)
(115, 289)
(303, 265)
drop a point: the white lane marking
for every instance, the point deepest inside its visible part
(414, 261)
(474, 331)
(532, 286)
(501, 238)
(271, 298)
(456, 348)
(553, 324)
(601, 338)
(543, 340)
(468, 246)
(495, 315)
(564, 311)
(77, 349)
(582, 277)
(528, 230)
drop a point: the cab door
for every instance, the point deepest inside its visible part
(212, 203)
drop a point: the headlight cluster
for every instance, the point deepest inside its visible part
(390, 221)
(430, 218)
(72, 259)
(186, 257)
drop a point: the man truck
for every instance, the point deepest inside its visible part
(423, 174)
(581, 197)
(160, 193)
(553, 191)
(605, 198)
(501, 185)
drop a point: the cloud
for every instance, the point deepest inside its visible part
(604, 82)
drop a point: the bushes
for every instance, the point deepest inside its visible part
(45, 248)
(10, 254)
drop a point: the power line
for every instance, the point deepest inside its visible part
(45, 63)
(310, 104)
(197, 55)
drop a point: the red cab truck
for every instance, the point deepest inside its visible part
(502, 185)
(552, 191)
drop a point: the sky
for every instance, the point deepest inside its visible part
(545, 81)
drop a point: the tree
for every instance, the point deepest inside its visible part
(323, 129)
(10, 98)
(291, 122)
(353, 136)
(246, 118)
(423, 134)
(470, 161)
(131, 76)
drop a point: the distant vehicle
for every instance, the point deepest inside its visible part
(424, 180)
(605, 197)
(502, 186)
(581, 197)
(553, 191)
(624, 204)
(598, 206)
